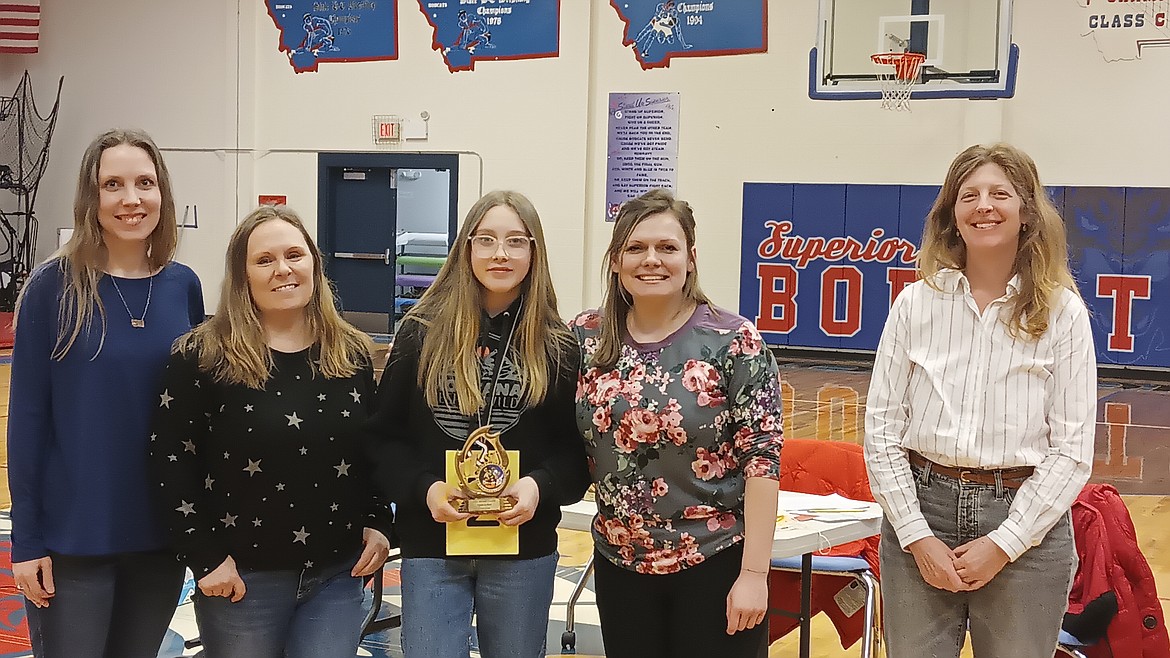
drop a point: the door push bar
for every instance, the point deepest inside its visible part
(384, 257)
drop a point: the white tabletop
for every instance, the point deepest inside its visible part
(841, 522)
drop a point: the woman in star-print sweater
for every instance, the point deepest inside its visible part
(256, 451)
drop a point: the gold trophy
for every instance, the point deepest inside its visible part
(482, 469)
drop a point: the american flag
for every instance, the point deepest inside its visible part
(20, 26)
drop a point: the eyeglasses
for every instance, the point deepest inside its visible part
(514, 245)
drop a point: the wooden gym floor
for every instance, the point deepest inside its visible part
(827, 402)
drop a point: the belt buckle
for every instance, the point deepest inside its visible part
(963, 473)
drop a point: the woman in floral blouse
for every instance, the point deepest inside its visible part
(680, 409)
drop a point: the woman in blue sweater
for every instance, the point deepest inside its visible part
(94, 327)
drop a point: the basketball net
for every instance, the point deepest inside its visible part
(1155, 7)
(898, 81)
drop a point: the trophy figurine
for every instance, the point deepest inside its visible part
(482, 469)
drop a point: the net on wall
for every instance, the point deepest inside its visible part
(25, 135)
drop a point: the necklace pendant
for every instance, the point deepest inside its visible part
(137, 324)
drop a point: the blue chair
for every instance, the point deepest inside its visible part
(376, 622)
(858, 568)
(569, 637)
(813, 466)
(1069, 644)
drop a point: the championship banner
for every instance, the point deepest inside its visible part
(315, 31)
(822, 263)
(659, 30)
(467, 31)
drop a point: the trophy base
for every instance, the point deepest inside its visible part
(484, 505)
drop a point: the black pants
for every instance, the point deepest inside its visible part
(674, 615)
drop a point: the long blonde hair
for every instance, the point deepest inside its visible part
(231, 345)
(82, 258)
(1042, 254)
(617, 302)
(452, 305)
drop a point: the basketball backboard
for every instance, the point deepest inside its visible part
(967, 44)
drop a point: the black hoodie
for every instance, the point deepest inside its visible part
(410, 439)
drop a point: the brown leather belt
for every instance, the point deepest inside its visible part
(1012, 478)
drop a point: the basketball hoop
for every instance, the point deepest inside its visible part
(899, 82)
(1152, 9)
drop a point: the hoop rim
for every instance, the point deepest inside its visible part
(906, 64)
(895, 57)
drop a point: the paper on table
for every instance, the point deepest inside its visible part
(826, 508)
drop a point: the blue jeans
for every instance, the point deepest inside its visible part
(311, 613)
(510, 599)
(110, 606)
(1016, 615)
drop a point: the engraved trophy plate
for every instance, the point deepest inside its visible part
(482, 469)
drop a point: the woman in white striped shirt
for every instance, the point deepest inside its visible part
(980, 418)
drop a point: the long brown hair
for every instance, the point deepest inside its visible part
(617, 302)
(82, 258)
(231, 345)
(1042, 253)
(453, 304)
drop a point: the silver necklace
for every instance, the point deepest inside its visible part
(137, 323)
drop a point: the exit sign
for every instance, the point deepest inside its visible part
(387, 129)
(272, 200)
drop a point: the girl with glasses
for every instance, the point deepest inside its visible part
(483, 348)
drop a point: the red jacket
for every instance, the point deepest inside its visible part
(1111, 560)
(822, 467)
